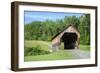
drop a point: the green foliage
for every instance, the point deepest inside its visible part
(45, 30)
(34, 51)
(72, 20)
(84, 28)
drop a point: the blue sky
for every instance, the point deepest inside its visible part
(42, 16)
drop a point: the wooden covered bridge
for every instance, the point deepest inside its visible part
(69, 35)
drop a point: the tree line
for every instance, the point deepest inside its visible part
(45, 30)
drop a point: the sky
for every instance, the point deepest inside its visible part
(30, 16)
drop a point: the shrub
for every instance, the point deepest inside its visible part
(34, 51)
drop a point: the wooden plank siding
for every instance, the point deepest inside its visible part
(56, 42)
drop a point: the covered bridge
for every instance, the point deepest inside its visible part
(69, 35)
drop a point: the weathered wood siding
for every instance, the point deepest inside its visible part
(57, 40)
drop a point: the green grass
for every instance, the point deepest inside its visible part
(84, 47)
(34, 43)
(60, 55)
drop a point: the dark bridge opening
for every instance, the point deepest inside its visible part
(69, 40)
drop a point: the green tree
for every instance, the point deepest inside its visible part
(45, 30)
(84, 28)
(71, 20)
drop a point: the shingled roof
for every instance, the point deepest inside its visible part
(65, 29)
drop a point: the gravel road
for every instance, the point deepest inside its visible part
(80, 54)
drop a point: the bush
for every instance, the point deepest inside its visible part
(34, 51)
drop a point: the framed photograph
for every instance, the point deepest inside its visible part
(52, 36)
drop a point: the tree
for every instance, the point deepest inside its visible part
(45, 30)
(84, 28)
(72, 20)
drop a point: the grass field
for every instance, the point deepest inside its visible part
(84, 47)
(60, 55)
(34, 43)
